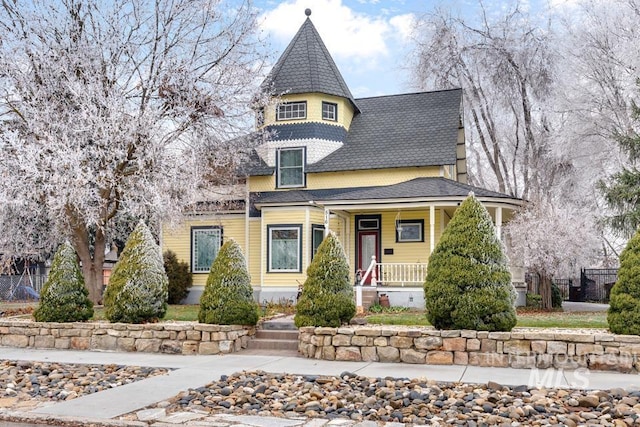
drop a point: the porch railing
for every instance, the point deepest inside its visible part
(395, 273)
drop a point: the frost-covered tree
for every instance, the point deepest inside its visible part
(624, 305)
(138, 285)
(552, 241)
(468, 283)
(505, 62)
(64, 298)
(228, 296)
(327, 294)
(117, 110)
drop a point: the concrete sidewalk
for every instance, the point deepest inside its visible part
(197, 371)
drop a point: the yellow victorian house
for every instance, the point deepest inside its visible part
(385, 174)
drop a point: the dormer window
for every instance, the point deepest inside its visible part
(292, 111)
(290, 167)
(329, 111)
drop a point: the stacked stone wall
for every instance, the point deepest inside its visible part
(172, 338)
(520, 348)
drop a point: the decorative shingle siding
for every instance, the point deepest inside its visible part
(307, 130)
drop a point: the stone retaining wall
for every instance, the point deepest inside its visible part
(520, 348)
(173, 338)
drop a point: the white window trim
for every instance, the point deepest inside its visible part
(194, 231)
(284, 111)
(404, 223)
(335, 111)
(296, 227)
(302, 166)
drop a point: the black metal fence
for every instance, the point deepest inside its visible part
(593, 285)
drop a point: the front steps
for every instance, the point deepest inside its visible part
(278, 336)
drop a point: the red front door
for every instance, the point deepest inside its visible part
(368, 246)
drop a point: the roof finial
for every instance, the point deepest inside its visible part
(307, 12)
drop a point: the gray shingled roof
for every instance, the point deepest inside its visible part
(306, 66)
(418, 188)
(416, 129)
(307, 130)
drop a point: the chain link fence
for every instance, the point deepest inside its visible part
(23, 287)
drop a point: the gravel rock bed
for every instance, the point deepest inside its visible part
(413, 401)
(25, 384)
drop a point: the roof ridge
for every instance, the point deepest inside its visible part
(411, 93)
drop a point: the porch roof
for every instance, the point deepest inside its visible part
(427, 189)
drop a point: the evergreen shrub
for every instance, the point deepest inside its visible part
(64, 297)
(179, 275)
(468, 283)
(327, 294)
(624, 303)
(228, 296)
(138, 286)
(556, 296)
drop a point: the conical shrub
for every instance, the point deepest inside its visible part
(138, 286)
(228, 296)
(468, 283)
(64, 297)
(180, 278)
(624, 302)
(327, 294)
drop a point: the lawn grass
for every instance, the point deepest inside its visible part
(174, 312)
(526, 318)
(529, 319)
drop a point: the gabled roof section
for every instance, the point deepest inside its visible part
(306, 66)
(414, 129)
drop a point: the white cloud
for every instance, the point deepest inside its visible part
(346, 33)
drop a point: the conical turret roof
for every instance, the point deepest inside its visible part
(306, 66)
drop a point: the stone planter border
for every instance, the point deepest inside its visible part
(521, 348)
(165, 337)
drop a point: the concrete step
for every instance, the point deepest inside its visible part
(277, 334)
(279, 325)
(271, 344)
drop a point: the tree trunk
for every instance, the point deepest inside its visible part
(545, 292)
(91, 263)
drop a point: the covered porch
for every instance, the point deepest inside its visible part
(389, 232)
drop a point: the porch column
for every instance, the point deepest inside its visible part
(499, 222)
(327, 217)
(432, 228)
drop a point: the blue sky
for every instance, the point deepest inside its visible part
(368, 39)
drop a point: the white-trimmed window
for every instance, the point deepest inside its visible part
(290, 167)
(410, 230)
(329, 111)
(205, 244)
(285, 248)
(292, 110)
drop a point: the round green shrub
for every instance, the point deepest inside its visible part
(179, 275)
(64, 297)
(624, 304)
(327, 294)
(228, 296)
(138, 286)
(468, 283)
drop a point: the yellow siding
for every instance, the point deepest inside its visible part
(285, 216)
(314, 109)
(417, 252)
(255, 241)
(178, 239)
(344, 179)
